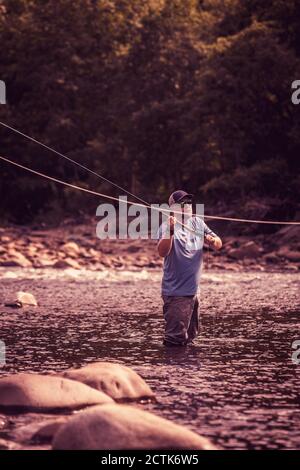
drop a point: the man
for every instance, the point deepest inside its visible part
(181, 246)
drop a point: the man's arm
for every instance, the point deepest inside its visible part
(211, 238)
(166, 242)
(214, 241)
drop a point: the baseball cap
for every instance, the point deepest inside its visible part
(178, 195)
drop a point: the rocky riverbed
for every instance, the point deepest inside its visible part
(237, 386)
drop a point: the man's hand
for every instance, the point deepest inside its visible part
(215, 242)
(171, 224)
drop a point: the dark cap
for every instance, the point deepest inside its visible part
(177, 196)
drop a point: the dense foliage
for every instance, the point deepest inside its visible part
(155, 95)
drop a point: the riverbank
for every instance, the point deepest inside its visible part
(76, 246)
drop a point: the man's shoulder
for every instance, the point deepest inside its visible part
(197, 221)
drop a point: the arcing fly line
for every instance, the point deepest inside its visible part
(144, 203)
(72, 161)
(89, 191)
(112, 198)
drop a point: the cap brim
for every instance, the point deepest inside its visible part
(191, 196)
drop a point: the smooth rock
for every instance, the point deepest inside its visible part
(248, 250)
(116, 380)
(22, 299)
(291, 255)
(15, 263)
(43, 262)
(116, 427)
(43, 392)
(271, 257)
(42, 431)
(3, 422)
(66, 263)
(71, 249)
(287, 234)
(293, 267)
(26, 298)
(15, 258)
(133, 249)
(5, 239)
(47, 431)
(8, 445)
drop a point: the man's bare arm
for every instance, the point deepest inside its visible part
(165, 244)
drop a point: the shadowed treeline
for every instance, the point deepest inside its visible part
(153, 95)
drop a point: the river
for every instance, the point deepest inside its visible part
(237, 385)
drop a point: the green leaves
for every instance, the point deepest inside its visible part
(154, 94)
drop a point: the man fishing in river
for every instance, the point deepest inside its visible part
(181, 245)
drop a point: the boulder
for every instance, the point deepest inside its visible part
(287, 234)
(8, 445)
(71, 249)
(66, 263)
(47, 431)
(43, 262)
(141, 261)
(3, 422)
(120, 427)
(293, 267)
(248, 250)
(26, 298)
(116, 380)
(271, 257)
(42, 431)
(106, 261)
(22, 299)
(133, 249)
(43, 392)
(93, 253)
(5, 239)
(287, 253)
(15, 259)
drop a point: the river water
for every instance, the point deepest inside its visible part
(237, 385)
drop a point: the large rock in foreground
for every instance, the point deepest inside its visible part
(38, 432)
(116, 380)
(8, 445)
(42, 392)
(114, 427)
